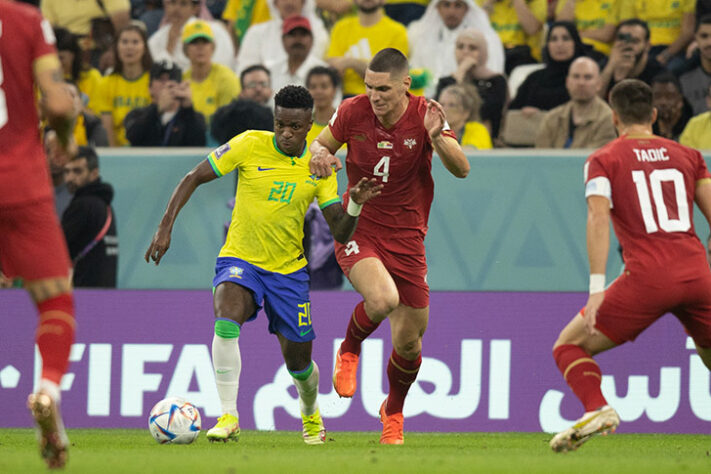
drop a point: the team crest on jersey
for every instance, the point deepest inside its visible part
(236, 272)
(385, 145)
(313, 180)
(410, 143)
(221, 150)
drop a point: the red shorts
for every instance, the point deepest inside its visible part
(632, 305)
(404, 259)
(32, 244)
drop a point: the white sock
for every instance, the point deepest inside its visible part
(308, 391)
(227, 362)
(50, 388)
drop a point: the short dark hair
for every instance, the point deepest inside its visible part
(324, 71)
(704, 20)
(666, 77)
(631, 99)
(294, 97)
(635, 22)
(87, 152)
(238, 116)
(389, 60)
(254, 67)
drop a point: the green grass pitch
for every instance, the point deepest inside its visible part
(135, 452)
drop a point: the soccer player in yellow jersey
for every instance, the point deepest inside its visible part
(262, 261)
(212, 85)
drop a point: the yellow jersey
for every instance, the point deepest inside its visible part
(505, 22)
(476, 135)
(274, 191)
(697, 133)
(118, 96)
(89, 83)
(316, 128)
(593, 15)
(662, 16)
(349, 38)
(216, 90)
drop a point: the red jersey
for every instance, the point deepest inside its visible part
(400, 157)
(651, 182)
(24, 37)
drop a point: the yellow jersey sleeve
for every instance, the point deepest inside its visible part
(231, 155)
(327, 191)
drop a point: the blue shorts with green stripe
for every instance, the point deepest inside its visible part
(285, 297)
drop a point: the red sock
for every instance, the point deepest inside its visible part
(581, 373)
(359, 327)
(401, 374)
(55, 335)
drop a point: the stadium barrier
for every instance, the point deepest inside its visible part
(487, 366)
(517, 223)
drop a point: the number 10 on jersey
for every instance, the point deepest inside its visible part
(656, 178)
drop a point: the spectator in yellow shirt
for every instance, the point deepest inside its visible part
(322, 82)
(519, 24)
(356, 39)
(212, 85)
(596, 20)
(671, 26)
(697, 133)
(128, 86)
(85, 77)
(461, 105)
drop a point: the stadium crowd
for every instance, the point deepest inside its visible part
(510, 61)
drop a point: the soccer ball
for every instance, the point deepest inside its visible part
(173, 420)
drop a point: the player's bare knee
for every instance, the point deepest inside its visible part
(382, 305)
(42, 290)
(408, 349)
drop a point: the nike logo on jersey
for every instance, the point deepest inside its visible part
(303, 333)
(259, 168)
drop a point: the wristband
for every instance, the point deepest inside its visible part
(597, 283)
(354, 208)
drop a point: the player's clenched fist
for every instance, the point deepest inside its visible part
(322, 162)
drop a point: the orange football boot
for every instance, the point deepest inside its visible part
(392, 427)
(344, 374)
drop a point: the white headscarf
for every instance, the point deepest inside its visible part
(432, 43)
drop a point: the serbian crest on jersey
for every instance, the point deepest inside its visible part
(410, 143)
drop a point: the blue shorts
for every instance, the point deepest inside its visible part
(285, 297)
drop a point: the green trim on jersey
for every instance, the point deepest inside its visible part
(227, 329)
(214, 166)
(328, 203)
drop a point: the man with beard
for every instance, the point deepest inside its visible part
(356, 39)
(696, 82)
(89, 223)
(630, 57)
(297, 39)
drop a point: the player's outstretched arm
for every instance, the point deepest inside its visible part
(702, 196)
(447, 148)
(598, 240)
(343, 223)
(322, 150)
(201, 174)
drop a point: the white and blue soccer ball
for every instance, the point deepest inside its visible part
(175, 421)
